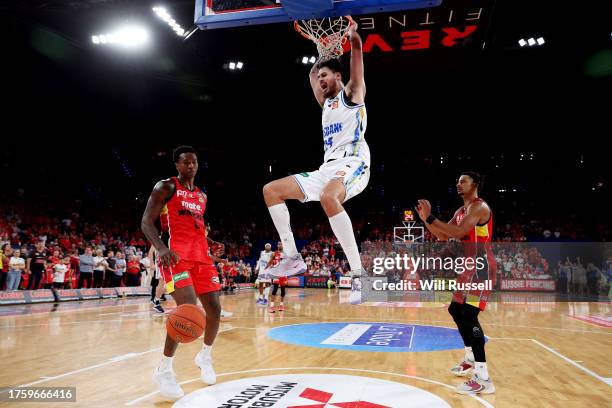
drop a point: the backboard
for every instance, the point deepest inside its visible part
(210, 14)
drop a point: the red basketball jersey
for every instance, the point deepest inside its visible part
(182, 222)
(482, 233)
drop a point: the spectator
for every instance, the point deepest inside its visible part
(36, 265)
(51, 262)
(5, 257)
(59, 273)
(564, 272)
(16, 266)
(581, 279)
(109, 273)
(120, 266)
(100, 265)
(86, 267)
(593, 275)
(147, 266)
(132, 272)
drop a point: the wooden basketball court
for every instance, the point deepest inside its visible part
(539, 354)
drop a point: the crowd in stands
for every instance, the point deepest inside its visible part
(42, 250)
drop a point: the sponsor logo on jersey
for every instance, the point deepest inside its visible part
(191, 206)
(180, 276)
(332, 129)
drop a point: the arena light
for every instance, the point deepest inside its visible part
(308, 60)
(532, 41)
(127, 37)
(234, 65)
(167, 18)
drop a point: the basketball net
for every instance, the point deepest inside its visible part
(329, 34)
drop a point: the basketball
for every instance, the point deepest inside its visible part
(186, 323)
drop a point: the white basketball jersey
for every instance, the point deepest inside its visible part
(264, 257)
(344, 129)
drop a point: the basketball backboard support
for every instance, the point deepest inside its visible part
(210, 14)
(408, 233)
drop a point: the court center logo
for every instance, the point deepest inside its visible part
(310, 391)
(369, 336)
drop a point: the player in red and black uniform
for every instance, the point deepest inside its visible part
(184, 258)
(472, 224)
(278, 282)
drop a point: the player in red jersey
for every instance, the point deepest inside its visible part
(472, 224)
(277, 282)
(186, 266)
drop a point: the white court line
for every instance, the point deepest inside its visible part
(111, 360)
(477, 398)
(572, 362)
(507, 338)
(373, 321)
(77, 322)
(75, 309)
(411, 337)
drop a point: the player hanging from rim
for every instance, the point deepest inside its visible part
(472, 224)
(346, 168)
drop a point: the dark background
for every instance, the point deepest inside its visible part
(97, 124)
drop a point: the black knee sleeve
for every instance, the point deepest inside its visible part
(275, 289)
(282, 291)
(472, 325)
(455, 310)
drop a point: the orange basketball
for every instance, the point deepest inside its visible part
(186, 323)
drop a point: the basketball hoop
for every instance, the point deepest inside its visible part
(329, 34)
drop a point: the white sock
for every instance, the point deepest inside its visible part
(469, 354)
(280, 217)
(481, 371)
(271, 304)
(266, 292)
(343, 229)
(166, 363)
(206, 350)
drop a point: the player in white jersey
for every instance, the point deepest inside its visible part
(263, 277)
(345, 171)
